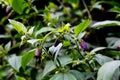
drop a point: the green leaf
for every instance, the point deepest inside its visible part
(81, 27)
(107, 71)
(50, 65)
(115, 9)
(64, 60)
(89, 75)
(44, 29)
(4, 36)
(33, 41)
(2, 51)
(69, 38)
(97, 5)
(30, 31)
(27, 57)
(78, 75)
(63, 76)
(74, 3)
(19, 5)
(106, 23)
(113, 3)
(97, 49)
(64, 28)
(112, 52)
(19, 78)
(47, 16)
(7, 46)
(102, 59)
(15, 62)
(18, 26)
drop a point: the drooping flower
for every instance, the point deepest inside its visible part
(38, 52)
(118, 47)
(57, 41)
(83, 45)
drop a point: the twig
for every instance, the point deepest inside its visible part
(88, 12)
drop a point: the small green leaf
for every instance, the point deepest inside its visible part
(15, 62)
(2, 51)
(107, 71)
(63, 76)
(65, 28)
(33, 41)
(26, 58)
(18, 26)
(47, 16)
(81, 27)
(74, 3)
(44, 29)
(106, 23)
(19, 5)
(30, 31)
(50, 65)
(7, 46)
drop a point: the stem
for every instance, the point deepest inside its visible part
(79, 49)
(88, 12)
(47, 53)
(90, 66)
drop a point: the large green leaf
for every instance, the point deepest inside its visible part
(27, 57)
(15, 62)
(64, 60)
(97, 49)
(19, 5)
(63, 76)
(44, 29)
(18, 26)
(81, 27)
(106, 23)
(19, 78)
(78, 75)
(107, 71)
(101, 59)
(50, 65)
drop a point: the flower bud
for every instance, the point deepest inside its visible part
(8, 9)
(1, 61)
(38, 52)
(83, 45)
(118, 47)
(57, 41)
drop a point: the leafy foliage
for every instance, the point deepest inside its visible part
(59, 40)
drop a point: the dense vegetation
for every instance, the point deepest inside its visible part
(59, 39)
